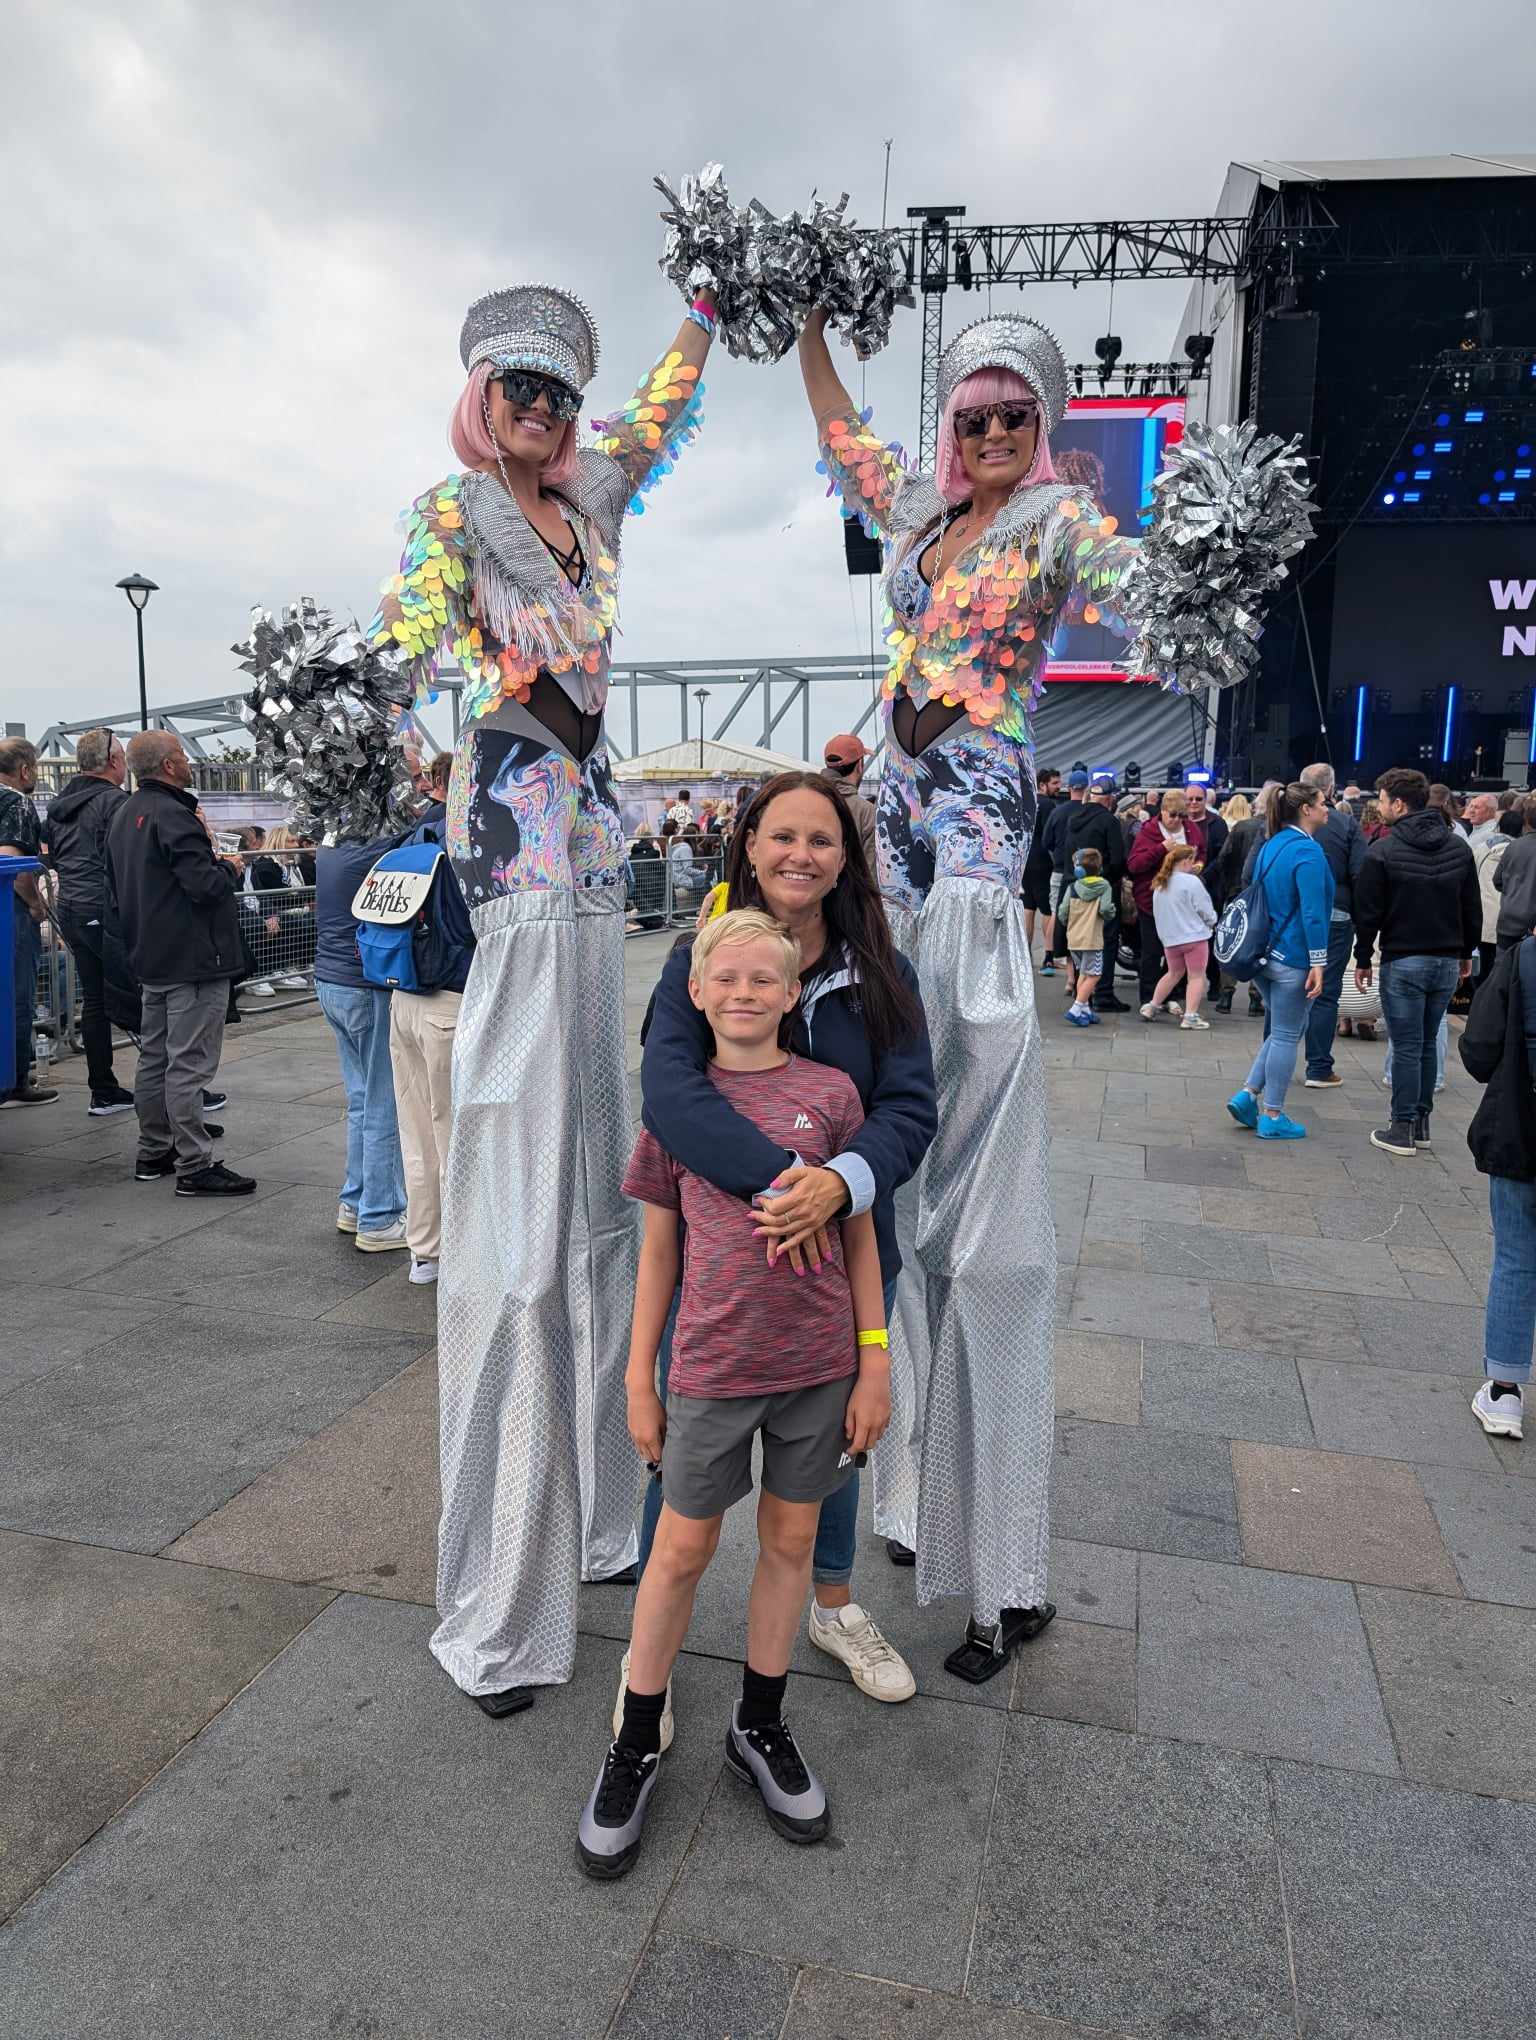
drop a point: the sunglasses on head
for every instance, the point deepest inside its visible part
(524, 386)
(971, 423)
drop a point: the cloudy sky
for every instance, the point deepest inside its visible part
(241, 242)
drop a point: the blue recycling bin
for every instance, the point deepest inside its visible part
(11, 868)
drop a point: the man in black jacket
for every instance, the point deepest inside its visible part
(1095, 826)
(176, 904)
(1038, 873)
(78, 819)
(1417, 889)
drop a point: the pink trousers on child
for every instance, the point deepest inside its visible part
(1185, 957)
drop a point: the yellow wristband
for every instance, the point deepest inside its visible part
(875, 1339)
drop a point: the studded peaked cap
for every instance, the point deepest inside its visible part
(1010, 341)
(535, 326)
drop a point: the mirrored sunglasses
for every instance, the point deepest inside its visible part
(524, 387)
(971, 423)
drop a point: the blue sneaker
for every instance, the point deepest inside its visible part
(1078, 1017)
(1281, 1129)
(1094, 1019)
(1244, 1108)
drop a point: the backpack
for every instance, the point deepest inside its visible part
(413, 926)
(1242, 933)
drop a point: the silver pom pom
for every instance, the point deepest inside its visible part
(767, 274)
(1230, 508)
(324, 717)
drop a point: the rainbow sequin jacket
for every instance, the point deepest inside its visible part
(478, 589)
(981, 637)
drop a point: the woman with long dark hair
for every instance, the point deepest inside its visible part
(1298, 891)
(796, 854)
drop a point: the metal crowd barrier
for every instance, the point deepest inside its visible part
(665, 892)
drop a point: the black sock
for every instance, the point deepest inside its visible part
(642, 1721)
(762, 1699)
(1504, 1388)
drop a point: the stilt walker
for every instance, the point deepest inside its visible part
(984, 560)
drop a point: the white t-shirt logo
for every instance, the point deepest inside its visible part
(803, 1123)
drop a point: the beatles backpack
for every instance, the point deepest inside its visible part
(413, 926)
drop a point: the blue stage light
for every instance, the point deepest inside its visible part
(1499, 475)
(1474, 417)
(1450, 722)
(1418, 451)
(1522, 451)
(1423, 474)
(1410, 495)
(1444, 418)
(1401, 475)
(1443, 445)
(1389, 497)
(1522, 474)
(1485, 497)
(1507, 495)
(1361, 694)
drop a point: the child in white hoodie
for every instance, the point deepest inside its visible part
(1184, 917)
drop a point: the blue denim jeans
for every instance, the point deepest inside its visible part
(26, 951)
(1415, 997)
(375, 1185)
(1442, 1039)
(837, 1528)
(1283, 988)
(1509, 1322)
(1323, 1019)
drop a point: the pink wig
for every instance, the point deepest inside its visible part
(986, 386)
(470, 435)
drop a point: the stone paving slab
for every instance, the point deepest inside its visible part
(1193, 1251)
(141, 1438)
(111, 1662)
(1132, 1883)
(1389, 1891)
(1098, 1377)
(354, 1508)
(91, 1227)
(1457, 1678)
(1339, 1517)
(1093, 1582)
(46, 1329)
(1078, 1671)
(1436, 1338)
(1390, 1413)
(391, 1302)
(689, 1989)
(353, 1848)
(1232, 1395)
(1258, 1661)
(1285, 1322)
(1127, 1305)
(1144, 1489)
(829, 2006)
(840, 1906)
(1489, 1525)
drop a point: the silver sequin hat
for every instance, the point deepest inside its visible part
(535, 326)
(1009, 341)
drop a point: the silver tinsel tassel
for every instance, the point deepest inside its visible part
(767, 274)
(324, 717)
(1229, 509)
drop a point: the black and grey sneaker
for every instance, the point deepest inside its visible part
(215, 1101)
(157, 1166)
(216, 1181)
(1421, 1137)
(1396, 1139)
(112, 1100)
(770, 1759)
(613, 1819)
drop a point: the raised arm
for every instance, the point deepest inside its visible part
(1088, 562)
(423, 612)
(866, 472)
(647, 434)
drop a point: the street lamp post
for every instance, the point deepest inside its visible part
(701, 695)
(138, 590)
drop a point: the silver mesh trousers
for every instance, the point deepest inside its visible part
(963, 1474)
(539, 1478)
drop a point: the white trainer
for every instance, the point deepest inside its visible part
(1196, 1020)
(346, 1218)
(384, 1239)
(875, 1667)
(1501, 1416)
(667, 1723)
(423, 1271)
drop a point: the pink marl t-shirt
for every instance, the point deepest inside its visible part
(744, 1328)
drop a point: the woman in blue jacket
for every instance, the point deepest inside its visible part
(796, 853)
(1298, 890)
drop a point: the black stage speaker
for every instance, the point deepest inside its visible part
(860, 550)
(1287, 375)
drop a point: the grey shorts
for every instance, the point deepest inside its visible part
(706, 1462)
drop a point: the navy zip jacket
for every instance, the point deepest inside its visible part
(696, 1126)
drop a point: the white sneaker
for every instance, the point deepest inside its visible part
(1195, 1020)
(1149, 1011)
(667, 1722)
(423, 1271)
(386, 1239)
(259, 991)
(346, 1218)
(875, 1667)
(293, 982)
(1500, 1416)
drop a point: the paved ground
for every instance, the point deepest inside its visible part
(1272, 1772)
